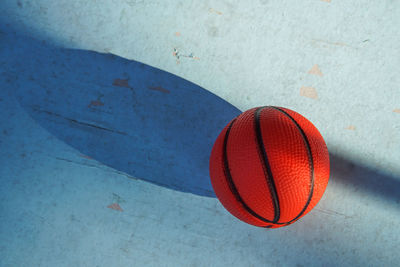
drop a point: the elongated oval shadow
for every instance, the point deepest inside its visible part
(130, 116)
(137, 119)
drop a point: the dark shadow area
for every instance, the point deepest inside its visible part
(138, 119)
(365, 179)
(127, 115)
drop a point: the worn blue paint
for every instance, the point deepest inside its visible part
(53, 200)
(132, 117)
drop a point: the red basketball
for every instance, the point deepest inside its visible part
(269, 166)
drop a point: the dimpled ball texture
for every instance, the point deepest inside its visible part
(269, 166)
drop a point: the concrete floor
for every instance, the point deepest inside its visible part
(80, 193)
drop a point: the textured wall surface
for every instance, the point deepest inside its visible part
(335, 62)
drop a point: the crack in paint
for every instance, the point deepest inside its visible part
(95, 166)
(159, 88)
(80, 122)
(122, 83)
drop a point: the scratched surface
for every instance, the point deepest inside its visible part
(336, 62)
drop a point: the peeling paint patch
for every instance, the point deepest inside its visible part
(351, 128)
(397, 110)
(177, 34)
(212, 10)
(115, 206)
(121, 83)
(328, 1)
(315, 70)
(309, 92)
(175, 53)
(96, 103)
(159, 88)
(178, 55)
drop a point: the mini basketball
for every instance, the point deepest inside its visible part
(269, 166)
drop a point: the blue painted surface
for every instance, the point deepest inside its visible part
(55, 202)
(137, 119)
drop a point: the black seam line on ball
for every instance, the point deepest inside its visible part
(266, 166)
(310, 161)
(231, 184)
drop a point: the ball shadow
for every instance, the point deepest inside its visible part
(138, 119)
(145, 122)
